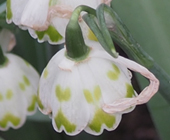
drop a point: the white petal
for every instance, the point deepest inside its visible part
(74, 108)
(51, 35)
(99, 120)
(28, 79)
(60, 24)
(35, 14)
(14, 10)
(46, 81)
(70, 114)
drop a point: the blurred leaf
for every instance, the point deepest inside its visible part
(2, 1)
(39, 117)
(2, 7)
(148, 21)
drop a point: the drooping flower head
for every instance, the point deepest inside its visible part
(18, 86)
(85, 88)
(47, 19)
(75, 92)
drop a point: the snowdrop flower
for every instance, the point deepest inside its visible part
(90, 94)
(18, 86)
(47, 19)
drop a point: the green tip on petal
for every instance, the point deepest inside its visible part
(61, 120)
(9, 11)
(9, 118)
(53, 34)
(33, 104)
(101, 118)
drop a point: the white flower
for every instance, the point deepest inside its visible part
(47, 19)
(77, 94)
(18, 89)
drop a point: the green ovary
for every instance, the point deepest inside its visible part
(101, 118)
(129, 91)
(113, 75)
(61, 120)
(62, 95)
(9, 11)
(51, 32)
(33, 104)
(9, 118)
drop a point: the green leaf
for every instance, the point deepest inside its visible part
(148, 21)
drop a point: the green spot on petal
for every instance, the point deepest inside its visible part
(39, 102)
(97, 93)
(26, 81)
(8, 10)
(63, 95)
(22, 86)
(88, 96)
(114, 75)
(61, 120)
(9, 94)
(101, 118)
(45, 73)
(26, 63)
(33, 104)
(130, 91)
(1, 97)
(91, 36)
(51, 32)
(9, 118)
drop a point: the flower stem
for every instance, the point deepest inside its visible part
(75, 45)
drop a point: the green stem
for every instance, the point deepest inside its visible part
(75, 45)
(125, 40)
(2, 57)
